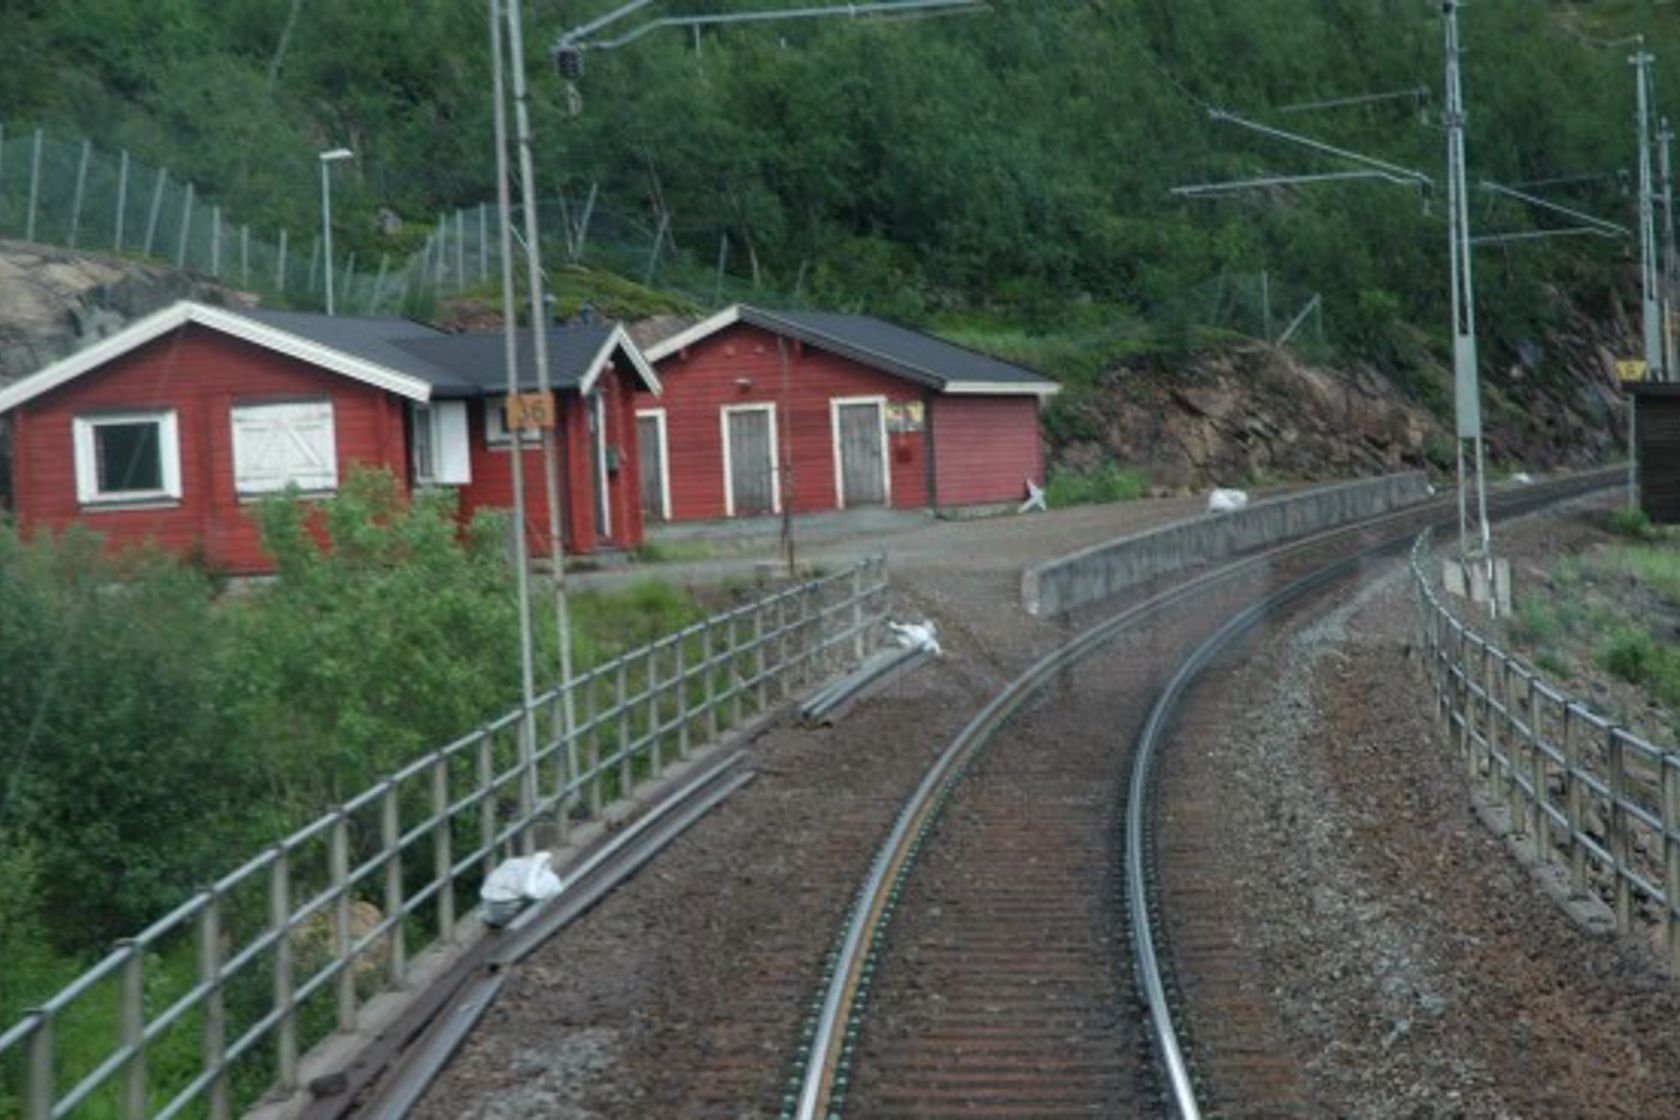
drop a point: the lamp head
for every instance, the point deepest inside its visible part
(337, 154)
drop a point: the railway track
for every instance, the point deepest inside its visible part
(1005, 954)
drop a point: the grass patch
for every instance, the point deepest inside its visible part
(675, 552)
(1107, 483)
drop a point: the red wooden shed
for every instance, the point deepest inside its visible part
(170, 428)
(826, 411)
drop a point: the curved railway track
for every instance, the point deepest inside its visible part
(1025, 973)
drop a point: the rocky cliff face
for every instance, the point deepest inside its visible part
(1256, 412)
(56, 301)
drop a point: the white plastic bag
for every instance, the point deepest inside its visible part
(515, 882)
(916, 635)
(1224, 501)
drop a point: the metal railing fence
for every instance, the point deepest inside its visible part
(213, 1005)
(1590, 796)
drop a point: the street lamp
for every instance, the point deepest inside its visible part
(329, 157)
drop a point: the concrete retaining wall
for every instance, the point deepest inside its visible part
(1102, 570)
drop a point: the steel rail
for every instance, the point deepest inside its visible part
(821, 1094)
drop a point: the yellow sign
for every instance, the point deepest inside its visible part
(1631, 371)
(530, 412)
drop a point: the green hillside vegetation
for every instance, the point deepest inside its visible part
(1003, 173)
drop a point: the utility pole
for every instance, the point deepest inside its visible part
(540, 319)
(1475, 542)
(1641, 60)
(1671, 361)
(510, 335)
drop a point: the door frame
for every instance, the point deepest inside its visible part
(658, 416)
(728, 459)
(596, 402)
(880, 403)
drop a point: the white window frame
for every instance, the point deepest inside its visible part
(87, 457)
(880, 403)
(729, 467)
(658, 415)
(496, 435)
(250, 492)
(433, 416)
(598, 432)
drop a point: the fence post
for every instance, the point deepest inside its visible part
(244, 256)
(1618, 826)
(857, 612)
(156, 209)
(626, 773)
(483, 244)
(379, 284)
(280, 266)
(122, 201)
(81, 192)
(1575, 799)
(338, 860)
(131, 1019)
(460, 249)
(761, 686)
(443, 848)
(707, 647)
(1537, 773)
(214, 1017)
(656, 749)
(682, 696)
(186, 229)
(216, 242)
(1671, 856)
(34, 188)
(736, 686)
(1491, 737)
(390, 828)
(486, 800)
(279, 920)
(38, 1092)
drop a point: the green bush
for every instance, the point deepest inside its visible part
(1631, 521)
(151, 733)
(1107, 483)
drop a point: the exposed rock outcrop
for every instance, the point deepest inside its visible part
(56, 301)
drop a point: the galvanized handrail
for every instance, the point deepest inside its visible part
(1590, 796)
(276, 937)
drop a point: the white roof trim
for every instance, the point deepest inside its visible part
(619, 338)
(1001, 388)
(154, 326)
(683, 339)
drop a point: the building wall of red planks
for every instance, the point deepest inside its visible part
(742, 365)
(985, 448)
(202, 375)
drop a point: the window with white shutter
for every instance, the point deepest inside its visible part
(441, 451)
(279, 445)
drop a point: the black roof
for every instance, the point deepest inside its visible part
(373, 338)
(479, 360)
(910, 354)
(455, 365)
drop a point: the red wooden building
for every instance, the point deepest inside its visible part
(170, 428)
(826, 411)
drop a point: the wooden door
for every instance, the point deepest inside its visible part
(650, 453)
(752, 474)
(862, 444)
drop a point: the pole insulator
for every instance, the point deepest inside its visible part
(569, 62)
